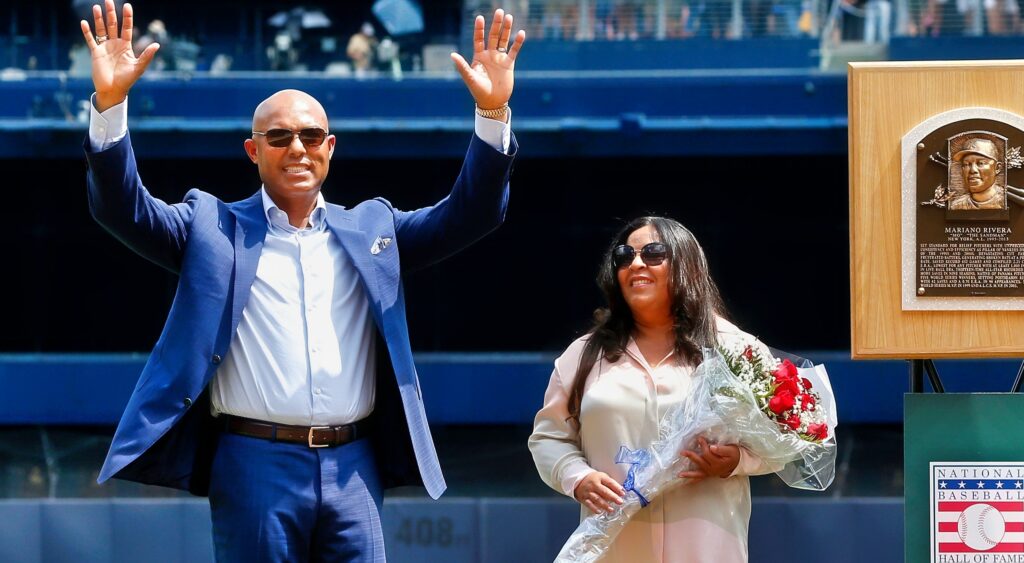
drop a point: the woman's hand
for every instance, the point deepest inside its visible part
(597, 490)
(717, 460)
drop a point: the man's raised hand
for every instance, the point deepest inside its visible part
(490, 75)
(115, 68)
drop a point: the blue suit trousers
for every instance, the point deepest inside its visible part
(277, 502)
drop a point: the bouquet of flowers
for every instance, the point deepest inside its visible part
(780, 392)
(781, 410)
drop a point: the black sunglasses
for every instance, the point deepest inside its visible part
(653, 254)
(280, 138)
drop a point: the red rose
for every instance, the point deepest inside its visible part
(806, 383)
(786, 369)
(793, 422)
(787, 383)
(781, 402)
(806, 400)
(819, 431)
(785, 378)
(748, 353)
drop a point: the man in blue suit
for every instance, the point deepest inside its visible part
(282, 385)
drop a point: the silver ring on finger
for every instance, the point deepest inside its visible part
(502, 50)
(101, 39)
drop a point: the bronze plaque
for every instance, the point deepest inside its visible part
(970, 217)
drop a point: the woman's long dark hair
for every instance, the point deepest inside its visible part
(695, 304)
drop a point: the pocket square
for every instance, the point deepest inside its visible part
(379, 244)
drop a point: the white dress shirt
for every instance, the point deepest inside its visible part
(304, 350)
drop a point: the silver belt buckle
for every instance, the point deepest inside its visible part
(310, 438)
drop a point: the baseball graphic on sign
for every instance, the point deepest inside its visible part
(981, 527)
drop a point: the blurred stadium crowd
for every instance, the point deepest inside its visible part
(389, 37)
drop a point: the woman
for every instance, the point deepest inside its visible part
(612, 386)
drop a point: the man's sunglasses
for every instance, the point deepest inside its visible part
(653, 254)
(280, 138)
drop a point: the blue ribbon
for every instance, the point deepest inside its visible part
(637, 459)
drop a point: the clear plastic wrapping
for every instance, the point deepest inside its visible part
(723, 408)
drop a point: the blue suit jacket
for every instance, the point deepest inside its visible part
(166, 435)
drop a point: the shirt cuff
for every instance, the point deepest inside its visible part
(109, 127)
(495, 133)
(572, 477)
(747, 465)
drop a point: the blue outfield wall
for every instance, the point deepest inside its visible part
(457, 388)
(586, 113)
(486, 530)
(690, 53)
(955, 48)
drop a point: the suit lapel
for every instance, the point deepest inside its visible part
(342, 224)
(250, 230)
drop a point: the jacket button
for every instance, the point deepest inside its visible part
(187, 402)
(216, 358)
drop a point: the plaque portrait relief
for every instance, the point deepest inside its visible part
(962, 212)
(976, 173)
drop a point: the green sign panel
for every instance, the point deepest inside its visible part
(963, 477)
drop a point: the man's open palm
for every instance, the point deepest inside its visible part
(115, 68)
(490, 75)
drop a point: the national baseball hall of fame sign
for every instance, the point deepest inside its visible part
(977, 512)
(963, 212)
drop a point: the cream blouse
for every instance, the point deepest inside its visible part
(623, 402)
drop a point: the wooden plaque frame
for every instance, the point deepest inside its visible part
(886, 100)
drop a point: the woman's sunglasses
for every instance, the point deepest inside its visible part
(280, 138)
(653, 254)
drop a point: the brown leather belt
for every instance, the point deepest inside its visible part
(312, 436)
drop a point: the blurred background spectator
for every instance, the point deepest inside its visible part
(156, 32)
(293, 40)
(877, 21)
(362, 50)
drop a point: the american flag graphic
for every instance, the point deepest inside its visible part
(977, 511)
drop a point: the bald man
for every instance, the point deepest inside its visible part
(282, 385)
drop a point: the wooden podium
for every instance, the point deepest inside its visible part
(886, 101)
